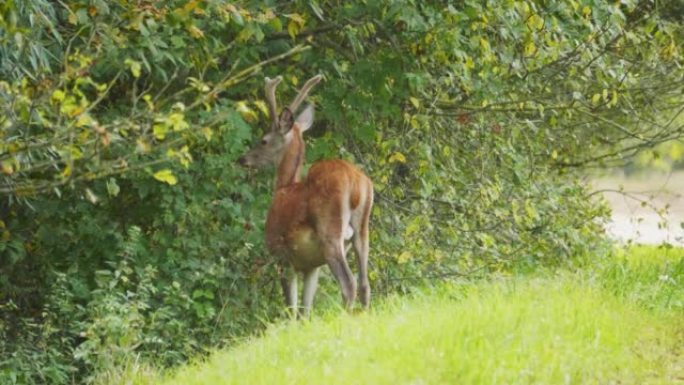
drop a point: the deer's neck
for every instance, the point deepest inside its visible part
(290, 167)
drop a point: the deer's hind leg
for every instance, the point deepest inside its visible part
(330, 230)
(360, 223)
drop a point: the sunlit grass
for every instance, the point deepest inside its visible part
(617, 322)
(651, 276)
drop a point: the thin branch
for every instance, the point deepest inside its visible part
(246, 73)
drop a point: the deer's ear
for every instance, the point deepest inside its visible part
(285, 121)
(305, 119)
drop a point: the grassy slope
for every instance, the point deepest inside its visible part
(621, 322)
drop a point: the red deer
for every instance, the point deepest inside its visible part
(311, 220)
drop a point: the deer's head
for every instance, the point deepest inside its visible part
(270, 148)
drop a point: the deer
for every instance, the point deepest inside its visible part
(312, 221)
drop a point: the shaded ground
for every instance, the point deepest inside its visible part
(646, 208)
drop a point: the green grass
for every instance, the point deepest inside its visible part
(620, 321)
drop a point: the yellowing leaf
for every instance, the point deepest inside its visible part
(530, 48)
(586, 11)
(535, 22)
(74, 110)
(165, 176)
(191, 5)
(413, 227)
(195, 32)
(84, 120)
(134, 66)
(292, 29)
(7, 168)
(297, 18)
(75, 153)
(397, 157)
(160, 131)
(276, 24)
(469, 64)
(613, 98)
(142, 146)
(177, 121)
(208, 133)
(404, 257)
(596, 99)
(135, 69)
(148, 99)
(67, 171)
(262, 107)
(428, 38)
(414, 122)
(525, 8)
(484, 44)
(415, 102)
(58, 95)
(246, 112)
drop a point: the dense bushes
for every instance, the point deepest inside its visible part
(128, 233)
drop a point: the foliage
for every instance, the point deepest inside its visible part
(127, 232)
(588, 326)
(665, 157)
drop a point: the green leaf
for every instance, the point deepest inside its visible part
(112, 187)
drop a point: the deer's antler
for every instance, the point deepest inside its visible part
(303, 92)
(270, 88)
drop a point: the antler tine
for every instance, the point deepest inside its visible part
(304, 91)
(270, 88)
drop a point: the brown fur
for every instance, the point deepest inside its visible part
(313, 206)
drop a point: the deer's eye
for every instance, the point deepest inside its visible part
(264, 141)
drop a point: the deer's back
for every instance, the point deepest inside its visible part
(338, 179)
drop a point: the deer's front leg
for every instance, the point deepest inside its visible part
(288, 280)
